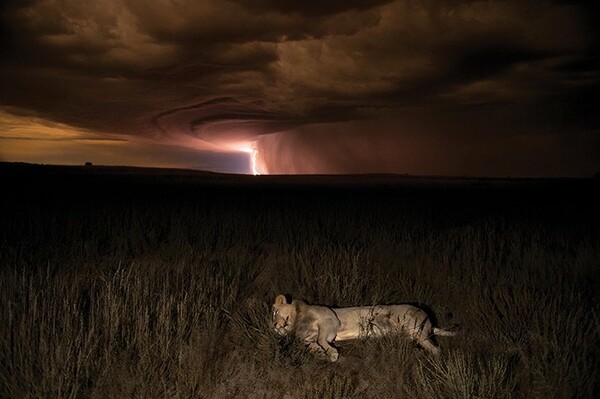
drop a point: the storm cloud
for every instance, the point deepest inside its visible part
(458, 87)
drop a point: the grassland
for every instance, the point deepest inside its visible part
(124, 283)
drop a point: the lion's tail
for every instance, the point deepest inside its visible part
(444, 333)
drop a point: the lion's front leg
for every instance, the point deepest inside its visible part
(327, 334)
(331, 353)
(323, 349)
(319, 343)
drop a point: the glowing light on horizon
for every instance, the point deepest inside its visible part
(232, 145)
(250, 148)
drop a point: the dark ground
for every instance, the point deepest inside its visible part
(162, 279)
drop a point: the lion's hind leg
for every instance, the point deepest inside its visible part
(421, 330)
(429, 346)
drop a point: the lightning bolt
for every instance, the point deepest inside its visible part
(253, 160)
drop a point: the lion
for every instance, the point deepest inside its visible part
(318, 327)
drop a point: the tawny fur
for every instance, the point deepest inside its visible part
(318, 327)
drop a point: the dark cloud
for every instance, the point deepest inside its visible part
(312, 7)
(317, 86)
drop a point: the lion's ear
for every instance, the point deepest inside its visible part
(280, 300)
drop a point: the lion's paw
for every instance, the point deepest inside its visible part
(333, 355)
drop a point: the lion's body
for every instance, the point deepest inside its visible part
(320, 326)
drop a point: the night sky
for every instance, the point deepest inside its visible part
(478, 88)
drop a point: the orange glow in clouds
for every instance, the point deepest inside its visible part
(37, 140)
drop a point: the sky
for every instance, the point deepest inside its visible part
(460, 88)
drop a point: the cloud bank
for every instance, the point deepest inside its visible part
(463, 87)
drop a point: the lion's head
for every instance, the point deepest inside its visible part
(284, 315)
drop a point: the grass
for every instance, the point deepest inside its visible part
(163, 290)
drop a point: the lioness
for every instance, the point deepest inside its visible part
(319, 326)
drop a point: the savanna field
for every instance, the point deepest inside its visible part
(158, 284)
